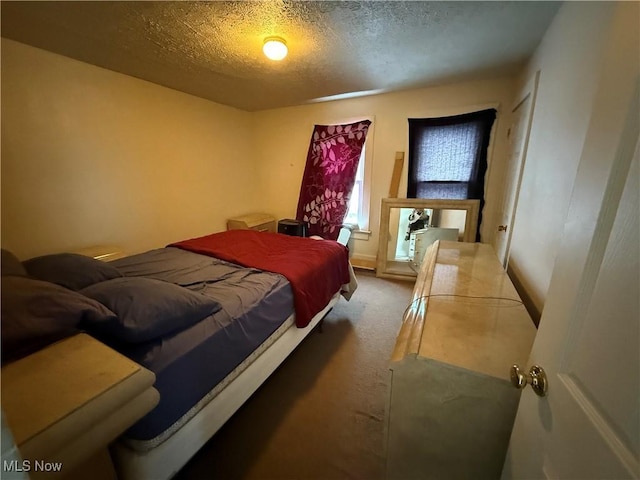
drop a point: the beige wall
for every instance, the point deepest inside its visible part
(282, 139)
(569, 59)
(91, 156)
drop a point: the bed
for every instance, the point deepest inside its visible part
(251, 298)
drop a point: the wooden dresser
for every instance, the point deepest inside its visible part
(451, 405)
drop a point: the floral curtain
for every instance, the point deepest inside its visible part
(329, 175)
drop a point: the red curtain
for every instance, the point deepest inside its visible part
(329, 175)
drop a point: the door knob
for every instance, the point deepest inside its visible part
(536, 378)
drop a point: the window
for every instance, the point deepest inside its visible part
(360, 201)
(448, 156)
(354, 214)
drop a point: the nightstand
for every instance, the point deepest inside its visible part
(262, 222)
(106, 253)
(65, 403)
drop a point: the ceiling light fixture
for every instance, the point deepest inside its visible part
(275, 48)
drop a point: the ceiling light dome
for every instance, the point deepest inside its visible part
(275, 48)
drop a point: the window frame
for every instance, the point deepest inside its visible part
(483, 169)
(479, 170)
(359, 183)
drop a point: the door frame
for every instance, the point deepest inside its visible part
(530, 89)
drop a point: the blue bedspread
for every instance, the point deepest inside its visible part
(189, 363)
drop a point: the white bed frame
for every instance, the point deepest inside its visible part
(165, 460)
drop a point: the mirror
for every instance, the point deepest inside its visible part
(408, 226)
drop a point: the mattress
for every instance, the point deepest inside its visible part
(190, 363)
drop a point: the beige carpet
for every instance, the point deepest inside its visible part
(321, 414)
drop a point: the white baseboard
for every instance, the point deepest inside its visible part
(367, 262)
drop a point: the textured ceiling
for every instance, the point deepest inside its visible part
(214, 49)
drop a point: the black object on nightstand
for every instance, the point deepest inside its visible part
(295, 228)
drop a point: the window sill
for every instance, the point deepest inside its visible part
(361, 234)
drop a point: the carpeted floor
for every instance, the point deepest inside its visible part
(321, 414)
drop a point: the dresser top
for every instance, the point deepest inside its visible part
(466, 312)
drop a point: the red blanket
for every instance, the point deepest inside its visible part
(316, 269)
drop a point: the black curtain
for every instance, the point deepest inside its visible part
(448, 157)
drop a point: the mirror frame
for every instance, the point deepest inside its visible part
(472, 207)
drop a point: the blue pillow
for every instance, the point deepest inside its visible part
(71, 270)
(146, 308)
(37, 313)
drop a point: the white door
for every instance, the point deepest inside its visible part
(521, 116)
(588, 425)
